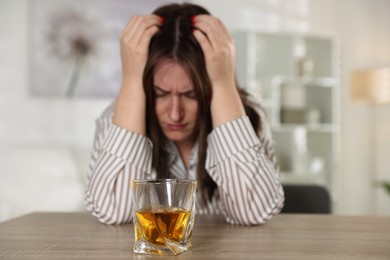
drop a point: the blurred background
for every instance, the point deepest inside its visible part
(59, 68)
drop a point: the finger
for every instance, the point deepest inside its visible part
(130, 30)
(213, 22)
(207, 32)
(131, 25)
(148, 34)
(203, 41)
(136, 20)
(147, 28)
(138, 25)
(213, 28)
(223, 28)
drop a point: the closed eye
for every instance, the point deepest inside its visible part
(158, 92)
(190, 94)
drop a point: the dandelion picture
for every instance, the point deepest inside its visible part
(75, 39)
(74, 45)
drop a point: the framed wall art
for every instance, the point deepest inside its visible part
(74, 45)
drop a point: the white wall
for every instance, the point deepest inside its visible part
(45, 142)
(363, 29)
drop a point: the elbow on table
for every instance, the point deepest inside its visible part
(261, 217)
(110, 217)
(274, 210)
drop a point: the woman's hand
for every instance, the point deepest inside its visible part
(134, 44)
(218, 49)
(219, 53)
(130, 111)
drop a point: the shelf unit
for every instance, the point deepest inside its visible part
(296, 79)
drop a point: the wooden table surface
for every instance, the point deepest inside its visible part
(286, 236)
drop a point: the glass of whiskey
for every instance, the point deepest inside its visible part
(163, 215)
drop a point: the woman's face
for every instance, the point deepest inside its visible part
(176, 103)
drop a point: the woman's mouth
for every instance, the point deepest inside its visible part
(176, 127)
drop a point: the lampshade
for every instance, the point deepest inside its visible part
(371, 86)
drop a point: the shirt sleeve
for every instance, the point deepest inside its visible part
(245, 170)
(118, 157)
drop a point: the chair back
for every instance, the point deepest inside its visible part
(311, 199)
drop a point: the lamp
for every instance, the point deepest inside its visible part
(372, 87)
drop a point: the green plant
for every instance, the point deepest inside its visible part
(385, 185)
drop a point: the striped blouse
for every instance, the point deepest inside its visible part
(242, 165)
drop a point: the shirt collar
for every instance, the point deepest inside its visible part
(174, 155)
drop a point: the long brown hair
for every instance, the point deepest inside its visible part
(175, 41)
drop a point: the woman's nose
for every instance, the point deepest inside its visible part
(176, 111)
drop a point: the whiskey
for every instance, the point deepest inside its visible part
(155, 227)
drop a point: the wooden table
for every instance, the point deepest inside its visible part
(80, 236)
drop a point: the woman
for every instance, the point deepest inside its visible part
(180, 114)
